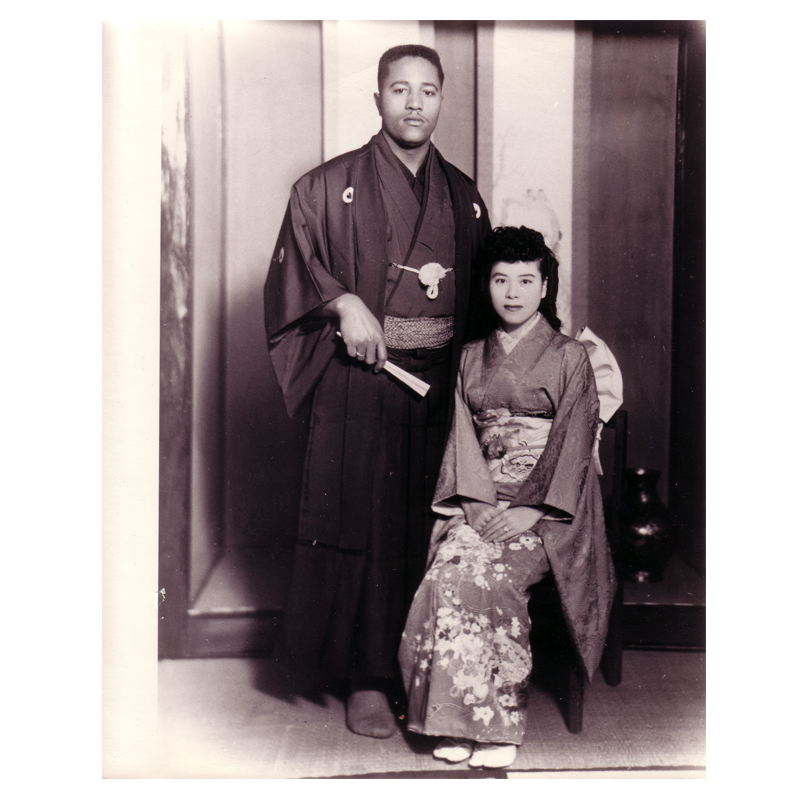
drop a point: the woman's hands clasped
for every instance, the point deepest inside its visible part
(509, 523)
(495, 525)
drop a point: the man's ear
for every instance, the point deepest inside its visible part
(377, 99)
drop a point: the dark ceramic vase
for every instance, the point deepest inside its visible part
(646, 540)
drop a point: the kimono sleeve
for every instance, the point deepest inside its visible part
(559, 477)
(299, 282)
(464, 474)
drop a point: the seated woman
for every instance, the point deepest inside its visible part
(519, 496)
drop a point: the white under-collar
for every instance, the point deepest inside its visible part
(509, 342)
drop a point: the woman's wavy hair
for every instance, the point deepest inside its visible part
(510, 244)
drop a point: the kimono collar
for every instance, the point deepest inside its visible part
(527, 351)
(386, 151)
(416, 181)
(508, 342)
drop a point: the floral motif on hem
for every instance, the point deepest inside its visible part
(467, 638)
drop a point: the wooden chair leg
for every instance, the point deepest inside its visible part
(576, 692)
(611, 663)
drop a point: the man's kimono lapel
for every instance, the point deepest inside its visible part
(401, 195)
(370, 233)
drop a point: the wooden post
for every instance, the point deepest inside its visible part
(175, 351)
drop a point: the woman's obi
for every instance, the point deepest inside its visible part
(512, 443)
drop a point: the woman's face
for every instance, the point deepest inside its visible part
(516, 291)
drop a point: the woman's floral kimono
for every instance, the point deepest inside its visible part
(523, 432)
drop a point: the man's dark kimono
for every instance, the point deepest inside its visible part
(375, 446)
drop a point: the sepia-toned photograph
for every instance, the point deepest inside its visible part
(432, 410)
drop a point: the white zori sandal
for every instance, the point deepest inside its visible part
(454, 750)
(493, 756)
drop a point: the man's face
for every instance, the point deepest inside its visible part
(409, 101)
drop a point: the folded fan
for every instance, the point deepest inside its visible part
(421, 387)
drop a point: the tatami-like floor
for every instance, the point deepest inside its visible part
(233, 718)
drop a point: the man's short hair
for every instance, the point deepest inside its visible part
(402, 51)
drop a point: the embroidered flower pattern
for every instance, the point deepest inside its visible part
(466, 650)
(473, 650)
(519, 465)
(529, 542)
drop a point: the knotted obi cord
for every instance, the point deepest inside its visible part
(511, 445)
(403, 333)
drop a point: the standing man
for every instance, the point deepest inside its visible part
(344, 294)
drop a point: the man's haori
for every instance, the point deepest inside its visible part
(374, 447)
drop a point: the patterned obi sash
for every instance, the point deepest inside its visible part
(512, 445)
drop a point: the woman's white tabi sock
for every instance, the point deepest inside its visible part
(493, 756)
(453, 750)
